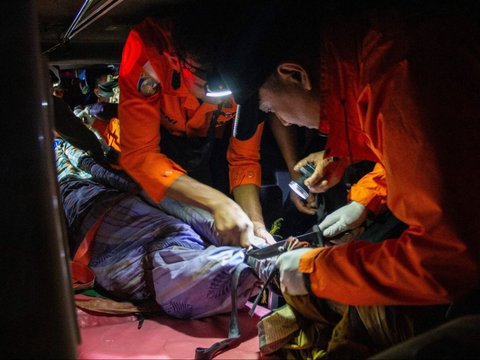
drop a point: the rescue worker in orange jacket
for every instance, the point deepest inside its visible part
(367, 196)
(416, 165)
(399, 88)
(163, 109)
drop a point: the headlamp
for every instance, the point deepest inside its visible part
(215, 87)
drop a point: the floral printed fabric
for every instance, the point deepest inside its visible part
(142, 253)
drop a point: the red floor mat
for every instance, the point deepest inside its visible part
(163, 337)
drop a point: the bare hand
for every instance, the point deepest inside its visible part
(308, 207)
(262, 232)
(328, 171)
(233, 225)
(294, 243)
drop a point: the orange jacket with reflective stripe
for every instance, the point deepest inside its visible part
(148, 49)
(406, 91)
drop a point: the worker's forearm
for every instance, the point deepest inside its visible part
(247, 196)
(232, 223)
(193, 192)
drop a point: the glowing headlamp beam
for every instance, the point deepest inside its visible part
(218, 93)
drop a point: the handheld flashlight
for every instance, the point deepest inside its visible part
(298, 186)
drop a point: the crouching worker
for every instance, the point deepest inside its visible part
(138, 252)
(393, 86)
(176, 129)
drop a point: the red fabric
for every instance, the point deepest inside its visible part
(163, 337)
(82, 276)
(409, 96)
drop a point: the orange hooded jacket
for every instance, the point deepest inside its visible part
(406, 92)
(148, 55)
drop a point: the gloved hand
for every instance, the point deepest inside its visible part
(291, 280)
(85, 115)
(346, 218)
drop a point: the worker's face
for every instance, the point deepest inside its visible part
(288, 94)
(194, 78)
(101, 80)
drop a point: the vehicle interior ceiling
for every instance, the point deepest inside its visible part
(80, 34)
(76, 34)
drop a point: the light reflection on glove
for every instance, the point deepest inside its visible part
(291, 280)
(346, 218)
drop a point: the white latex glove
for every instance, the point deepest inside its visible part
(346, 218)
(291, 280)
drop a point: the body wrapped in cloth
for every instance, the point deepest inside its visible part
(140, 252)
